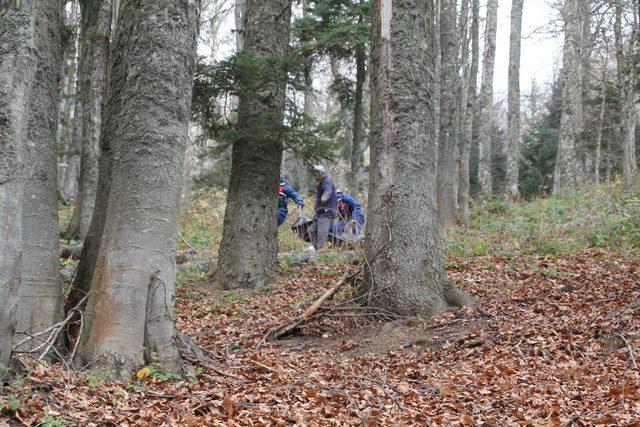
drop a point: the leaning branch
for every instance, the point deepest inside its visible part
(314, 310)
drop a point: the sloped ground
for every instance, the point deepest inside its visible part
(559, 348)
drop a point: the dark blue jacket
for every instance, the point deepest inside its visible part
(330, 208)
(285, 192)
(352, 209)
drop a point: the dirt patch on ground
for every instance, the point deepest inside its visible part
(408, 335)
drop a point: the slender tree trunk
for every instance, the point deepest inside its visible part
(248, 250)
(486, 99)
(471, 114)
(40, 296)
(94, 46)
(67, 101)
(603, 98)
(568, 168)
(583, 149)
(405, 272)
(146, 121)
(358, 121)
(627, 105)
(513, 133)
(239, 11)
(69, 186)
(446, 177)
(17, 71)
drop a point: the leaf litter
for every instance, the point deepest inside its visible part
(552, 341)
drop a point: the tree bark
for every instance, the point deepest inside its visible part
(513, 132)
(446, 177)
(404, 273)
(624, 72)
(146, 122)
(358, 121)
(40, 295)
(486, 99)
(568, 171)
(603, 98)
(17, 71)
(470, 116)
(249, 249)
(67, 101)
(94, 46)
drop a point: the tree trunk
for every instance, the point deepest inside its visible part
(239, 11)
(94, 46)
(568, 169)
(358, 121)
(470, 115)
(146, 123)
(513, 132)
(249, 248)
(405, 272)
(40, 296)
(446, 177)
(624, 72)
(17, 71)
(603, 98)
(583, 149)
(486, 99)
(67, 101)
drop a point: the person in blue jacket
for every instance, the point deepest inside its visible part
(350, 215)
(286, 192)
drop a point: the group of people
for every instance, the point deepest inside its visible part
(335, 212)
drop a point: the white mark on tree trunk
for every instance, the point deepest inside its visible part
(385, 18)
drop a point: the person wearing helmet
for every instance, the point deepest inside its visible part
(325, 208)
(286, 192)
(350, 215)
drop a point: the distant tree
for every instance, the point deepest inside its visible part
(627, 81)
(464, 184)
(340, 29)
(446, 186)
(405, 272)
(95, 30)
(569, 170)
(485, 99)
(513, 133)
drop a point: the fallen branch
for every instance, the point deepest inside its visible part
(54, 333)
(311, 312)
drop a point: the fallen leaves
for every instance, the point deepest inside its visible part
(532, 353)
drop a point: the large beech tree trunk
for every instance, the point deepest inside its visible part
(513, 132)
(568, 170)
(92, 65)
(40, 296)
(405, 272)
(485, 116)
(248, 250)
(129, 315)
(446, 179)
(17, 71)
(470, 115)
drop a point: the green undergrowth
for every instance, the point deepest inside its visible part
(593, 216)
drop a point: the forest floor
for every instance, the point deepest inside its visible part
(553, 340)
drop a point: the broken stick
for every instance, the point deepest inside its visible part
(289, 327)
